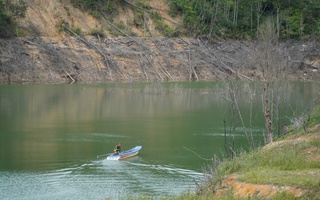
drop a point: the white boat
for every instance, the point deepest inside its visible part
(126, 154)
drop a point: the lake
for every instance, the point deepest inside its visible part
(51, 135)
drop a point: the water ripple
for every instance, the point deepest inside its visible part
(99, 179)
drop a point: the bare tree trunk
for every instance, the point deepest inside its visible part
(251, 19)
(259, 12)
(226, 11)
(106, 59)
(301, 26)
(213, 18)
(193, 71)
(147, 26)
(267, 114)
(142, 67)
(204, 10)
(235, 12)
(225, 138)
(154, 67)
(278, 24)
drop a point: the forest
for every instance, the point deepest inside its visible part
(293, 19)
(238, 19)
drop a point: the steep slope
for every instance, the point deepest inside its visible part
(62, 43)
(44, 18)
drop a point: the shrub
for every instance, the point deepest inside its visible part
(97, 31)
(8, 13)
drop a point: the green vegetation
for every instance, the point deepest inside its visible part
(97, 31)
(95, 7)
(241, 19)
(121, 26)
(213, 18)
(143, 4)
(120, 30)
(160, 25)
(64, 26)
(76, 30)
(6, 22)
(285, 157)
(227, 18)
(9, 12)
(314, 119)
(283, 178)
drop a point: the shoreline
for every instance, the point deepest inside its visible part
(70, 60)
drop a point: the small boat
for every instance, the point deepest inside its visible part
(126, 154)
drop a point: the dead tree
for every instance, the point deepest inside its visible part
(106, 60)
(267, 114)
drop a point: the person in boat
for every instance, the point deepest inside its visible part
(118, 148)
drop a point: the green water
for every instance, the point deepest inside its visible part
(50, 136)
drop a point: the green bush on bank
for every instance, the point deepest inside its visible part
(6, 22)
(9, 12)
(95, 7)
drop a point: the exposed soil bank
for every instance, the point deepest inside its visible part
(90, 59)
(53, 53)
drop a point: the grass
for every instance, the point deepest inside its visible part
(284, 164)
(97, 31)
(160, 25)
(315, 117)
(305, 178)
(207, 196)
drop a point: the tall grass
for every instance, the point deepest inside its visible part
(287, 156)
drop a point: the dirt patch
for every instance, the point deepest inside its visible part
(312, 154)
(43, 18)
(247, 190)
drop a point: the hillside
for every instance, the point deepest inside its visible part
(60, 42)
(295, 172)
(43, 18)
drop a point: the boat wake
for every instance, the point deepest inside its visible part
(170, 169)
(100, 179)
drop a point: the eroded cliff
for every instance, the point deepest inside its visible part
(62, 43)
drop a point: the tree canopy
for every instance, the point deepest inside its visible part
(292, 19)
(236, 18)
(242, 18)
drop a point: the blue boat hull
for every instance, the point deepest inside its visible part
(126, 154)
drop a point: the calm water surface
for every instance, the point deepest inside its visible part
(50, 136)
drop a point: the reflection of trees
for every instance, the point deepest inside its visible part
(36, 114)
(57, 104)
(280, 102)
